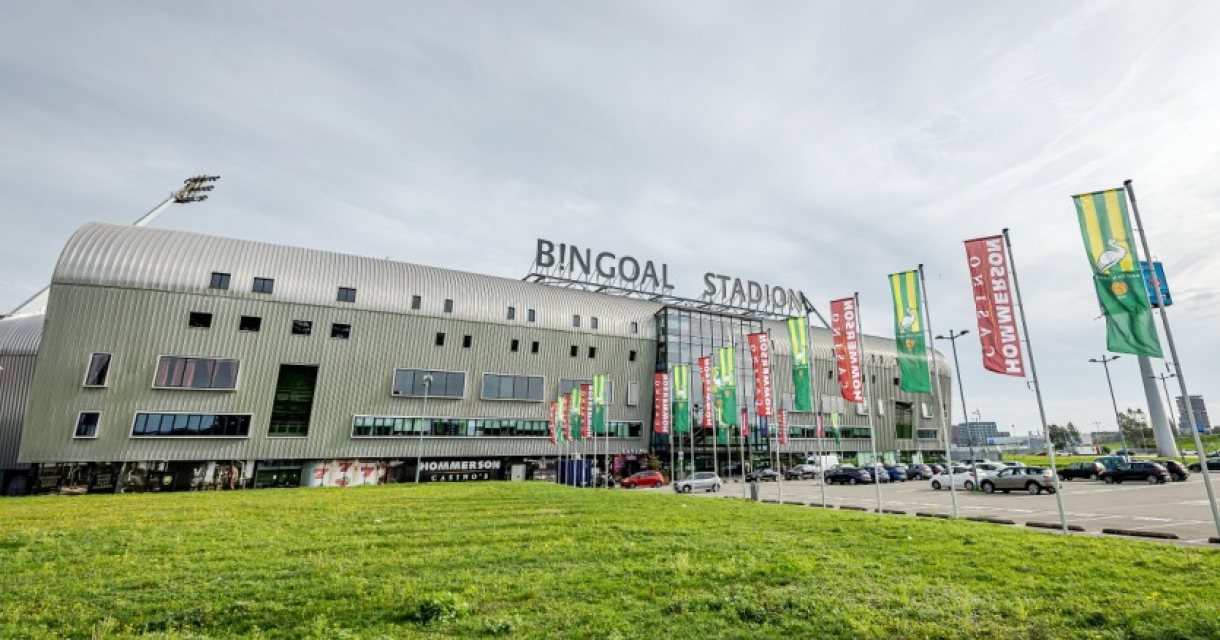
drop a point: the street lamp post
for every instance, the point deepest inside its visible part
(419, 444)
(1105, 363)
(961, 392)
(1173, 420)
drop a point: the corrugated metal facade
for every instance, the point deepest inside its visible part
(19, 338)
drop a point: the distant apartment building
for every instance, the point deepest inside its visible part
(976, 433)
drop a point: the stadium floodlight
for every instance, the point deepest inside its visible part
(193, 187)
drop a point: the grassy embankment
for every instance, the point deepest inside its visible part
(518, 560)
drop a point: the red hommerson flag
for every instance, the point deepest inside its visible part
(661, 412)
(844, 327)
(760, 356)
(782, 425)
(709, 393)
(554, 407)
(994, 305)
(745, 424)
(586, 413)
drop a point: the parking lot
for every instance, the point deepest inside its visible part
(1177, 507)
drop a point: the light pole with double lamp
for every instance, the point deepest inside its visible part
(961, 392)
(1105, 363)
(419, 444)
(1173, 421)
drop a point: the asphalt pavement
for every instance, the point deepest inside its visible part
(1178, 508)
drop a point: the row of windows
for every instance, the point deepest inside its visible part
(253, 324)
(190, 425)
(901, 431)
(394, 426)
(509, 387)
(514, 346)
(195, 373)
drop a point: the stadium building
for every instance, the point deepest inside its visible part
(168, 360)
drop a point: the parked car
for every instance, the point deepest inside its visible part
(1013, 463)
(801, 472)
(897, 473)
(1177, 471)
(701, 481)
(1087, 470)
(847, 474)
(988, 469)
(1151, 472)
(644, 479)
(765, 475)
(937, 468)
(1035, 480)
(1213, 464)
(920, 472)
(962, 477)
(877, 472)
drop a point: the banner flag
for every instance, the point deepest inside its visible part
(908, 332)
(553, 427)
(586, 410)
(727, 386)
(820, 432)
(781, 423)
(574, 414)
(745, 423)
(994, 305)
(1155, 277)
(760, 357)
(599, 404)
(848, 356)
(709, 392)
(561, 419)
(680, 374)
(1117, 276)
(661, 416)
(798, 336)
(722, 433)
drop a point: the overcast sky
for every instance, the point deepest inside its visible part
(815, 145)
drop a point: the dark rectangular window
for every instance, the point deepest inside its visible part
(190, 425)
(574, 351)
(412, 383)
(250, 323)
(263, 285)
(635, 327)
(593, 322)
(86, 424)
(509, 387)
(440, 339)
(576, 321)
(302, 327)
(346, 294)
(897, 381)
(530, 315)
(99, 370)
(513, 345)
(219, 281)
(592, 352)
(512, 313)
(341, 331)
(448, 306)
(175, 372)
(293, 405)
(416, 302)
(631, 356)
(199, 320)
(534, 347)
(466, 342)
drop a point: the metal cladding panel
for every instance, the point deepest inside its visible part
(20, 336)
(16, 377)
(354, 376)
(180, 262)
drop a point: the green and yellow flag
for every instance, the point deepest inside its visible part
(574, 414)
(722, 433)
(561, 419)
(599, 404)
(727, 386)
(679, 376)
(798, 336)
(908, 332)
(1117, 276)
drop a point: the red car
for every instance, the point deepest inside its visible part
(644, 479)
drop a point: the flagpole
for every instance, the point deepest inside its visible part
(818, 406)
(1177, 363)
(673, 471)
(935, 373)
(1033, 372)
(690, 422)
(779, 467)
(868, 399)
(606, 430)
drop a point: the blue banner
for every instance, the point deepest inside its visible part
(1152, 281)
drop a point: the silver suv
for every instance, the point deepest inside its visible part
(1035, 480)
(701, 481)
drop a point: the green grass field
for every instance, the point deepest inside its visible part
(537, 560)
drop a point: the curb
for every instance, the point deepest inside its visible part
(1053, 525)
(897, 511)
(924, 514)
(1214, 540)
(851, 508)
(1160, 535)
(991, 520)
(821, 506)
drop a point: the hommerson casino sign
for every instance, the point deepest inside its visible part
(570, 262)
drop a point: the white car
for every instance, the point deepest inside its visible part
(701, 481)
(963, 478)
(989, 469)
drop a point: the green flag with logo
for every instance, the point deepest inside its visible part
(1117, 276)
(908, 332)
(561, 419)
(574, 414)
(599, 404)
(798, 336)
(834, 427)
(679, 376)
(722, 433)
(728, 386)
